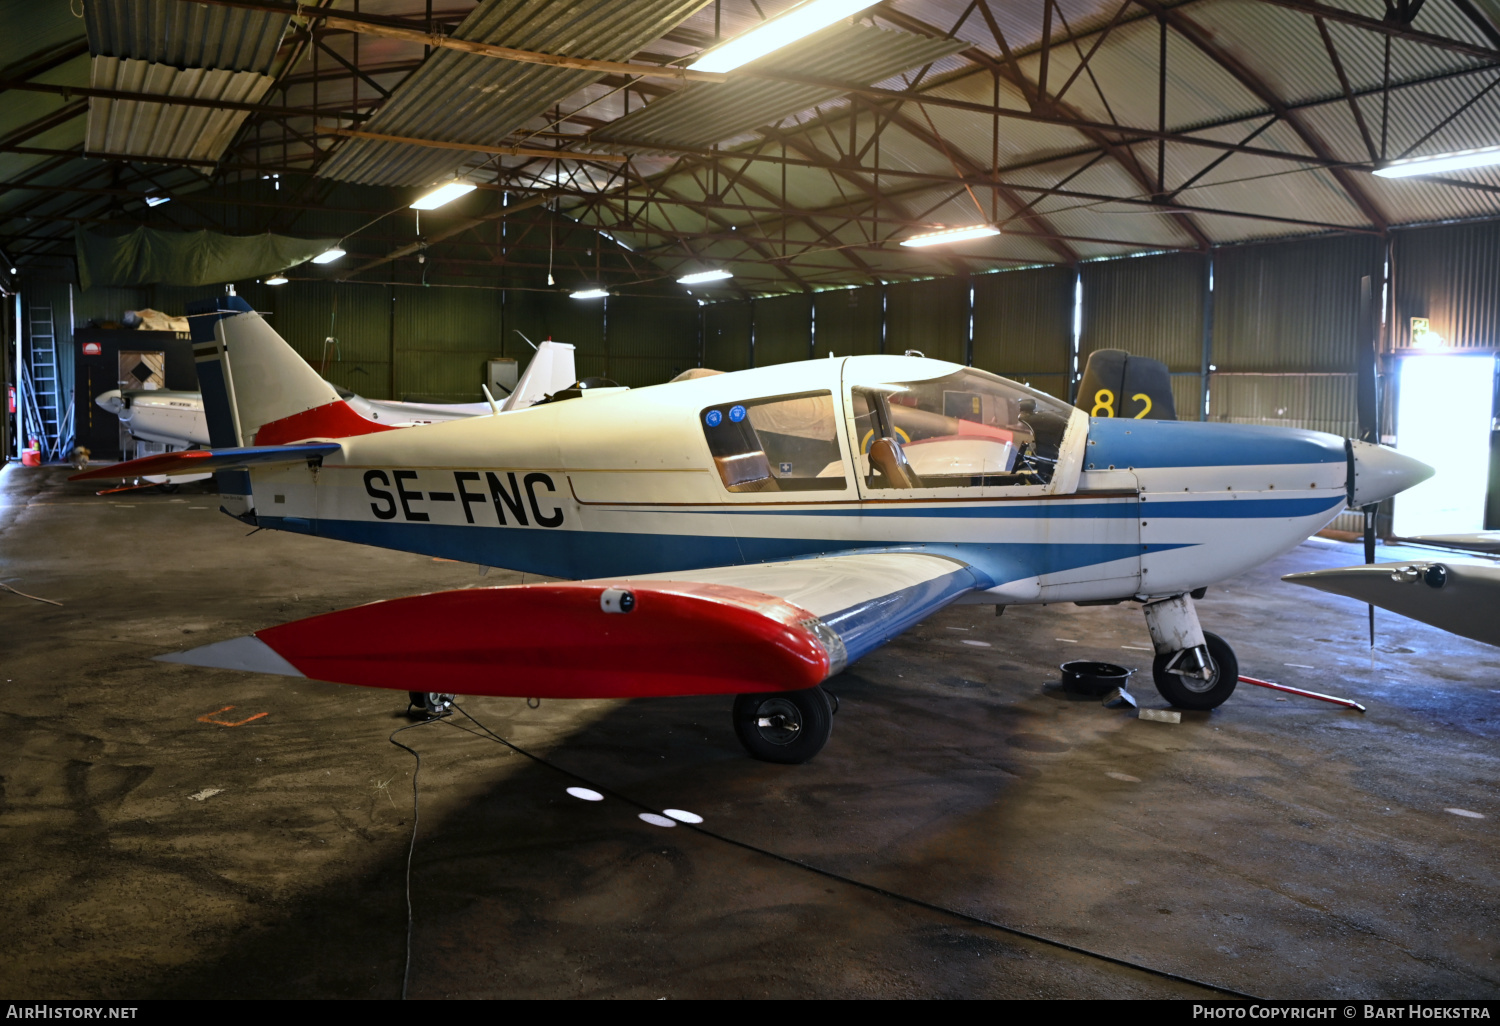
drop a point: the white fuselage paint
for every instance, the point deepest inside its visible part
(574, 489)
(177, 419)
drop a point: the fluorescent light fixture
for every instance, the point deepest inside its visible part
(1442, 162)
(802, 20)
(328, 256)
(699, 277)
(443, 194)
(280, 279)
(978, 231)
(590, 294)
(156, 201)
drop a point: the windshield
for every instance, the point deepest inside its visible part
(970, 428)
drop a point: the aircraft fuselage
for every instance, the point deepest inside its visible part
(629, 483)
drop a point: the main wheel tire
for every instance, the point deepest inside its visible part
(1191, 693)
(788, 727)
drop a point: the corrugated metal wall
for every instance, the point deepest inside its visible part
(929, 316)
(1293, 306)
(1150, 306)
(1023, 325)
(399, 341)
(359, 316)
(1451, 276)
(1317, 402)
(848, 322)
(650, 340)
(726, 336)
(783, 328)
(1284, 322)
(1285, 331)
(443, 337)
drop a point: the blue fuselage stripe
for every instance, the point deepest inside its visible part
(580, 554)
(1127, 509)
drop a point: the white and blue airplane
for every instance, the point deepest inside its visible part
(748, 533)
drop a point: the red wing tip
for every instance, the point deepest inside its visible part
(140, 467)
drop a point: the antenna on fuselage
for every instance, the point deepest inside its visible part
(524, 338)
(494, 406)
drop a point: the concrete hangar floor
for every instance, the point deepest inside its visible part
(1277, 848)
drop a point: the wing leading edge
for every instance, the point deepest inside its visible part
(202, 461)
(768, 627)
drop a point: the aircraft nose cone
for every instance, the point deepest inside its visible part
(1381, 472)
(110, 401)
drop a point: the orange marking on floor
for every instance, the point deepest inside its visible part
(209, 717)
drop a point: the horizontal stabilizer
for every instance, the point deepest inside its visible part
(201, 461)
(573, 640)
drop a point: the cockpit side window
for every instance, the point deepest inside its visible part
(968, 429)
(781, 444)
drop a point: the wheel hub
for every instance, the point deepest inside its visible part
(1202, 681)
(777, 721)
(1195, 668)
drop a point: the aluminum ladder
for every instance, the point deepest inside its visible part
(46, 414)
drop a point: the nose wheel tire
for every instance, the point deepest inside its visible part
(1186, 691)
(788, 727)
(430, 704)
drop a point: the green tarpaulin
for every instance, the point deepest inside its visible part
(149, 257)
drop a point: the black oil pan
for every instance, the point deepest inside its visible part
(1085, 677)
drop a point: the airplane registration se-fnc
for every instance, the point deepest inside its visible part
(749, 533)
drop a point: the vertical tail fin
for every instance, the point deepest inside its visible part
(1117, 384)
(550, 370)
(256, 389)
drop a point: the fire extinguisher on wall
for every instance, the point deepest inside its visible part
(10, 398)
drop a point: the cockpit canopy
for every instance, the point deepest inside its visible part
(968, 428)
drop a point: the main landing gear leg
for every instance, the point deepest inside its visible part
(1193, 669)
(784, 726)
(429, 705)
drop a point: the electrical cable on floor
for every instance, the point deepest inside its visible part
(18, 591)
(850, 881)
(412, 846)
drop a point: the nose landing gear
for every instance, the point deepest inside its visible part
(1193, 669)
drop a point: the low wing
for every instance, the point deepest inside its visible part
(202, 461)
(1479, 541)
(1459, 597)
(768, 627)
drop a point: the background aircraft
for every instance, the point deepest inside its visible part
(749, 533)
(1458, 597)
(177, 419)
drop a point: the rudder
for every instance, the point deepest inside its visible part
(256, 389)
